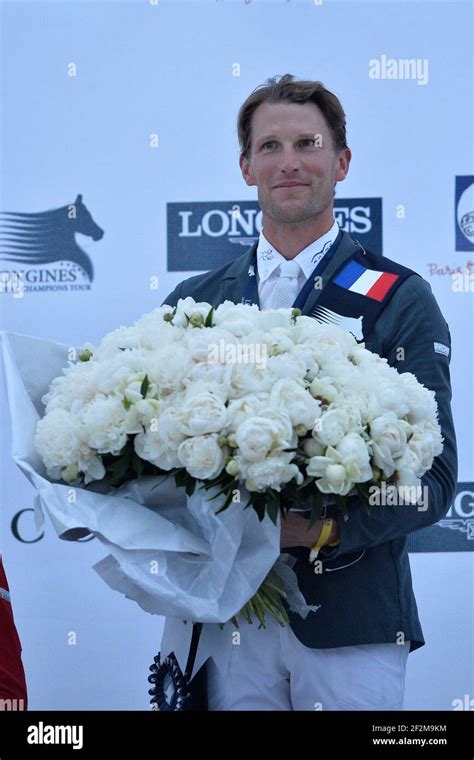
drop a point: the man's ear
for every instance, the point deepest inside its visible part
(343, 164)
(246, 171)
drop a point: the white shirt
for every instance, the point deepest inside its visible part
(269, 259)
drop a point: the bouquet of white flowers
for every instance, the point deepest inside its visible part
(270, 404)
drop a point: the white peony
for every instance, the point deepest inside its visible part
(247, 406)
(107, 424)
(272, 472)
(161, 439)
(257, 436)
(298, 403)
(203, 413)
(421, 401)
(238, 319)
(389, 439)
(331, 426)
(202, 456)
(342, 465)
(188, 307)
(60, 442)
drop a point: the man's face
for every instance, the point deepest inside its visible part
(291, 142)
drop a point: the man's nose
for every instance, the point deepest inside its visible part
(289, 160)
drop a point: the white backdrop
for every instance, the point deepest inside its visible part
(133, 105)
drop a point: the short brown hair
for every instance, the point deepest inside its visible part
(293, 91)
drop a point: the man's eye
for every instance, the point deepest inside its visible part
(310, 140)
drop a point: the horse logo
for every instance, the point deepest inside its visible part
(350, 324)
(48, 236)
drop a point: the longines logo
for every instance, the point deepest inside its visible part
(202, 236)
(455, 532)
(24, 530)
(44, 249)
(464, 213)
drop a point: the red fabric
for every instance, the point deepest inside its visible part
(12, 675)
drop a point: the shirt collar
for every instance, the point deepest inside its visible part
(268, 258)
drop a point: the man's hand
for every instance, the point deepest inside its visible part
(294, 531)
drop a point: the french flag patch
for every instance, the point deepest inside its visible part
(367, 282)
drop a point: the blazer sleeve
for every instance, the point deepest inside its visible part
(415, 323)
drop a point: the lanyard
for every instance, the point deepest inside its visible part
(251, 288)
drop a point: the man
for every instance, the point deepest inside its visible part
(13, 694)
(351, 653)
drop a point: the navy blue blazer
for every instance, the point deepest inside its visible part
(365, 588)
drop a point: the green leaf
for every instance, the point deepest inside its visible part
(118, 469)
(144, 386)
(226, 504)
(273, 506)
(190, 487)
(181, 477)
(208, 322)
(137, 464)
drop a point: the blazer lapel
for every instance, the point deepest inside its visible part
(233, 284)
(346, 248)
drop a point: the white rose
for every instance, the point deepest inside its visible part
(297, 402)
(202, 456)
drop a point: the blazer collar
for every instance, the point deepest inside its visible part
(234, 280)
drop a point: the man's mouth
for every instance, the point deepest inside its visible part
(291, 184)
